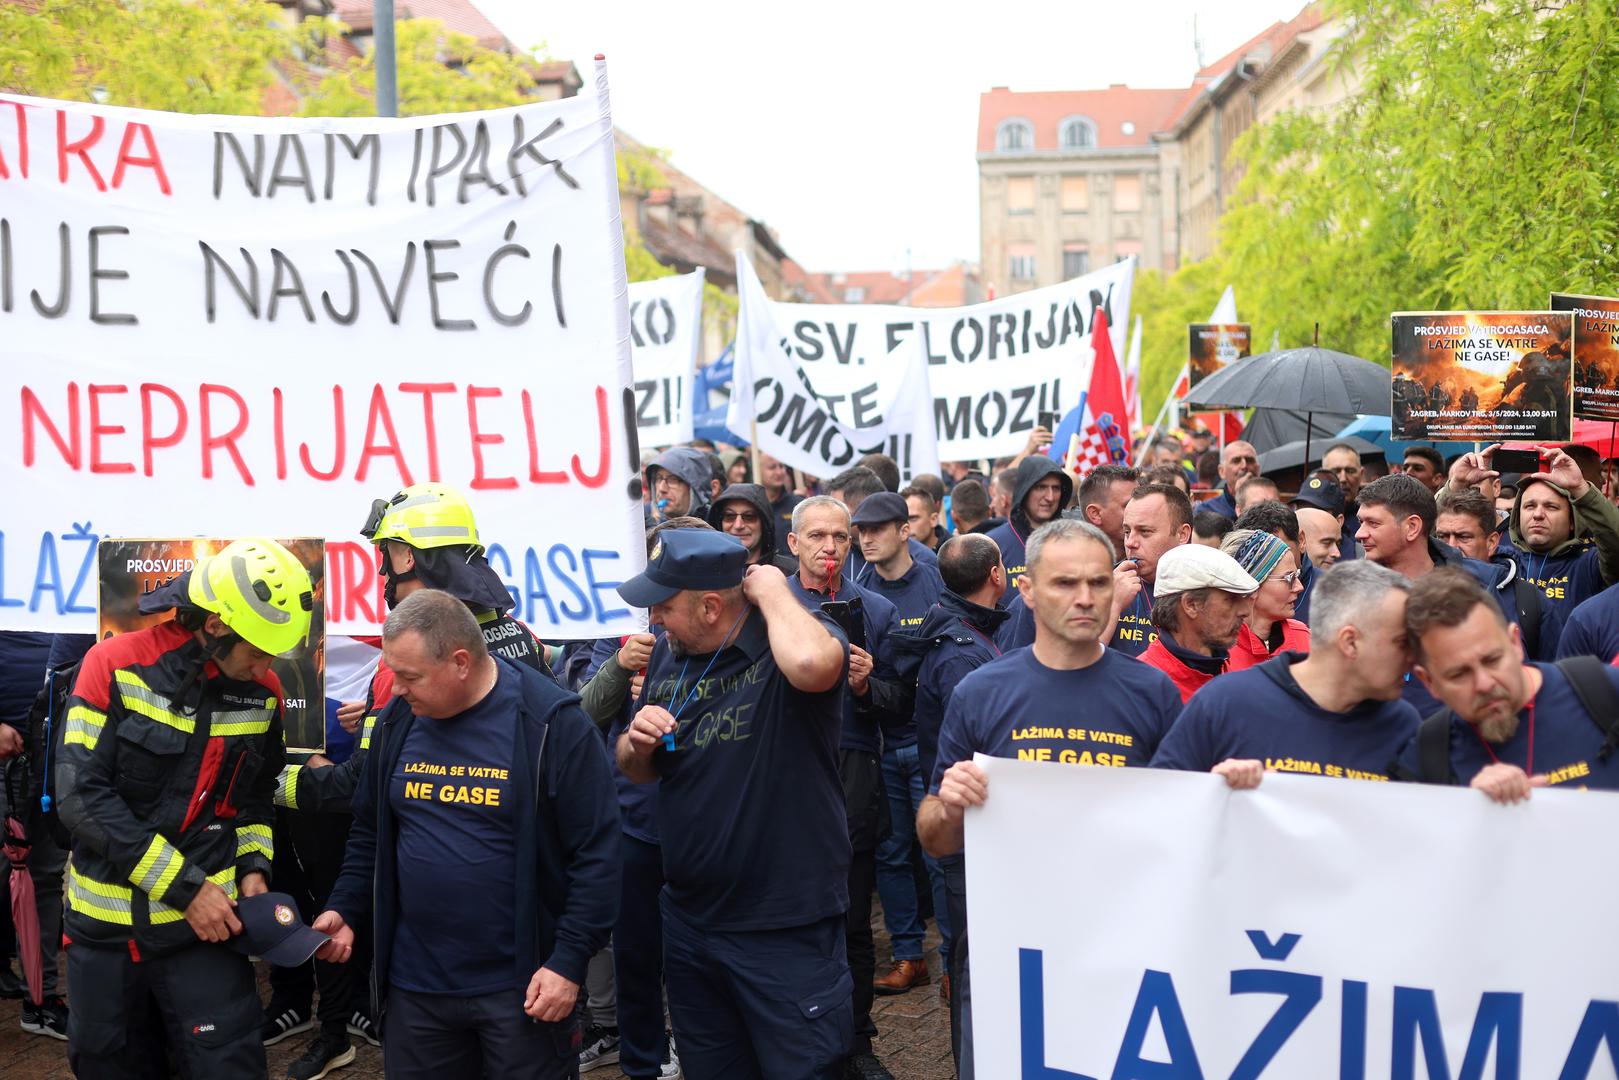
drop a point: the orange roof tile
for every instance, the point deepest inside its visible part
(458, 16)
(1108, 109)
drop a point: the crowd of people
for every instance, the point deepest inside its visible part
(531, 858)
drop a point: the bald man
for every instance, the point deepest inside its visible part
(1238, 461)
(1321, 534)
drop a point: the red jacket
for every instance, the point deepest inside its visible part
(1187, 680)
(1250, 651)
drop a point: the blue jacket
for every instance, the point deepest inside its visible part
(1221, 504)
(955, 638)
(571, 885)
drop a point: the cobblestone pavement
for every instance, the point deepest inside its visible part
(914, 1042)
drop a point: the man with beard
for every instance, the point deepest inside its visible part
(1199, 601)
(1040, 490)
(744, 511)
(1508, 725)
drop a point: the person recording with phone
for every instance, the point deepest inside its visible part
(875, 702)
(1564, 534)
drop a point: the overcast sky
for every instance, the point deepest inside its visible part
(850, 128)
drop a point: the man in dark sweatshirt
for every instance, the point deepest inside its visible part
(485, 847)
(1039, 493)
(1336, 712)
(744, 511)
(1564, 532)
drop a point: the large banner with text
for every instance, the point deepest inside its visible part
(1137, 923)
(992, 369)
(666, 329)
(243, 325)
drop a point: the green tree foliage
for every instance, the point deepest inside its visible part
(174, 55)
(1474, 169)
(1166, 303)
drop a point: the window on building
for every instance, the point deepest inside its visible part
(1014, 135)
(1076, 261)
(1076, 193)
(1020, 262)
(1020, 194)
(1078, 133)
(854, 294)
(1127, 192)
(1123, 249)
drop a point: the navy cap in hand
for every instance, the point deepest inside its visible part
(273, 929)
(880, 509)
(1321, 493)
(684, 559)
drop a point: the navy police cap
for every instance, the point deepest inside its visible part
(273, 929)
(1321, 493)
(880, 509)
(684, 559)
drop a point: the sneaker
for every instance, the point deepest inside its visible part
(865, 1067)
(285, 1023)
(49, 1019)
(323, 1054)
(600, 1047)
(361, 1027)
(670, 1069)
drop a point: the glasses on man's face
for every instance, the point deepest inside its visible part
(747, 517)
(1287, 579)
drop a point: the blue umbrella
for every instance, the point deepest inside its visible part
(1376, 429)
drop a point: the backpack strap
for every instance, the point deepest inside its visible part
(1589, 678)
(1433, 748)
(1527, 600)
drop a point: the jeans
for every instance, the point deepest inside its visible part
(906, 786)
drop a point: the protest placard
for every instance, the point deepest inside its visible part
(256, 326)
(1596, 353)
(1211, 346)
(992, 368)
(1141, 923)
(130, 569)
(1482, 375)
(666, 329)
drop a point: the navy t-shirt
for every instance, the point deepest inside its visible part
(1566, 580)
(23, 656)
(1135, 631)
(1262, 714)
(1565, 744)
(1018, 631)
(451, 794)
(1592, 628)
(750, 803)
(1114, 712)
(913, 593)
(1013, 556)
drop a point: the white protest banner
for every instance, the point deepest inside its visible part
(993, 368)
(242, 325)
(666, 327)
(822, 414)
(1138, 923)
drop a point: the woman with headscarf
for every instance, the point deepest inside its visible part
(1271, 629)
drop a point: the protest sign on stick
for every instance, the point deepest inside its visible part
(1482, 375)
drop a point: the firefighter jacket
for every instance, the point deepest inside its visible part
(162, 794)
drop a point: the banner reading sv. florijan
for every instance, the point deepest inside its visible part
(666, 328)
(992, 368)
(255, 326)
(822, 417)
(1137, 923)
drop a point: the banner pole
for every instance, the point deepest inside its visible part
(753, 451)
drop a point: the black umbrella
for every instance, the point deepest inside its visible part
(1295, 454)
(1308, 380)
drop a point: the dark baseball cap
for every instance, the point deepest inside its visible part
(1321, 493)
(880, 509)
(273, 929)
(684, 559)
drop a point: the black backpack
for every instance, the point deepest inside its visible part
(1589, 679)
(30, 785)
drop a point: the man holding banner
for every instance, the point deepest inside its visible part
(1005, 708)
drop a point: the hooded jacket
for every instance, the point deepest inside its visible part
(956, 637)
(691, 466)
(770, 553)
(1574, 570)
(1012, 536)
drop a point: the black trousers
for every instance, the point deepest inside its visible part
(309, 849)
(435, 1036)
(638, 960)
(206, 998)
(866, 804)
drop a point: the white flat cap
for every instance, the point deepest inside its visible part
(1193, 566)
